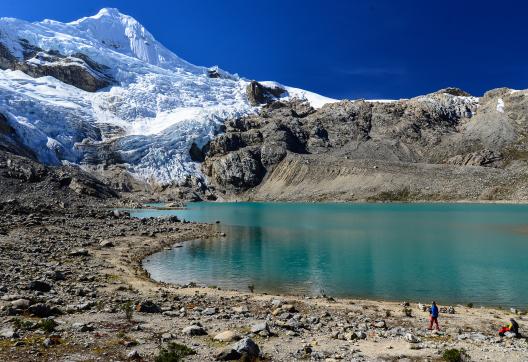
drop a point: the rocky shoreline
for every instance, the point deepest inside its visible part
(73, 289)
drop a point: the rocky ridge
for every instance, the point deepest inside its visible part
(418, 141)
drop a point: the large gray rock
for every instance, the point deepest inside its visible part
(227, 336)
(260, 327)
(244, 349)
(20, 303)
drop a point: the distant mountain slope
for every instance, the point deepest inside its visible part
(102, 91)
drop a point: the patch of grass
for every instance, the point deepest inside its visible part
(22, 324)
(112, 277)
(174, 353)
(454, 355)
(47, 325)
(122, 335)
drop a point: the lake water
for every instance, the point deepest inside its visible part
(454, 253)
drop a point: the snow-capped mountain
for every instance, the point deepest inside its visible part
(102, 90)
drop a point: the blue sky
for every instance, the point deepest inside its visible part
(341, 49)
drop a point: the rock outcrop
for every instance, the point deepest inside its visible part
(447, 130)
(35, 184)
(258, 93)
(77, 69)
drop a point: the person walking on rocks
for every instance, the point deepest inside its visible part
(433, 318)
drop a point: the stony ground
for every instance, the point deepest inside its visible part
(72, 289)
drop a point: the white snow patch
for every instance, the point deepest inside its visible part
(500, 105)
(315, 100)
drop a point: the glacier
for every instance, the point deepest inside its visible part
(157, 106)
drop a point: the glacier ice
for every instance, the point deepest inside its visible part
(158, 107)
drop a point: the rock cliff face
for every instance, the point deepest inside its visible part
(420, 140)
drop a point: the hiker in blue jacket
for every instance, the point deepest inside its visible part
(433, 318)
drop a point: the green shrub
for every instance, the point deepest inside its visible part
(47, 325)
(470, 305)
(22, 324)
(454, 355)
(128, 308)
(174, 353)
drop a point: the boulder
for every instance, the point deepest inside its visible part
(106, 244)
(194, 330)
(244, 349)
(40, 286)
(209, 311)
(42, 310)
(148, 307)
(20, 303)
(227, 336)
(8, 333)
(260, 327)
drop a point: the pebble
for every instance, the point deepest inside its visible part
(411, 338)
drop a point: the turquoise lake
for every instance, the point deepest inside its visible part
(454, 253)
